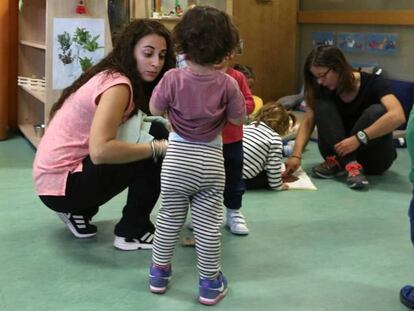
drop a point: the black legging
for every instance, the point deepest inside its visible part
(375, 157)
(97, 184)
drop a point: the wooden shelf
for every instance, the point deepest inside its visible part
(33, 44)
(365, 17)
(167, 18)
(29, 133)
(35, 57)
(38, 94)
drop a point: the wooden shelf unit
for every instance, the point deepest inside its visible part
(145, 8)
(35, 56)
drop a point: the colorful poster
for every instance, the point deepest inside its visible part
(382, 43)
(78, 44)
(351, 41)
(323, 38)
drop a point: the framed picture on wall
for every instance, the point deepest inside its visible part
(381, 43)
(351, 41)
(323, 38)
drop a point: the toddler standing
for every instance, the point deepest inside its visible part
(199, 100)
(233, 157)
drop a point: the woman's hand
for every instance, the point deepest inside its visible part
(291, 164)
(347, 146)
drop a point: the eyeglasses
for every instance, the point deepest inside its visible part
(323, 75)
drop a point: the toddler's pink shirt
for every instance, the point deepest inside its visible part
(198, 105)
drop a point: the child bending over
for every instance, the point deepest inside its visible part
(199, 100)
(262, 147)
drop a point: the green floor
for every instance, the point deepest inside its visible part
(331, 249)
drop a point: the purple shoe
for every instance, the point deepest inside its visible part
(407, 296)
(212, 291)
(159, 278)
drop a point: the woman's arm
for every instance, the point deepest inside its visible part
(302, 138)
(103, 146)
(389, 121)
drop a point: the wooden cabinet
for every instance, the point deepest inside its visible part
(269, 32)
(35, 57)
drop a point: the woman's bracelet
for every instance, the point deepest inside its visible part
(295, 156)
(153, 151)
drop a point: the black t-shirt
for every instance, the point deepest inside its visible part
(372, 89)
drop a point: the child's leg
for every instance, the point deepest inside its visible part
(175, 194)
(235, 187)
(206, 210)
(233, 166)
(207, 213)
(170, 220)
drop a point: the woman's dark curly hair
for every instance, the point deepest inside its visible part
(331, 57)
(205, 35)
(122, 60)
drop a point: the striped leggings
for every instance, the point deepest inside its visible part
(192, 176)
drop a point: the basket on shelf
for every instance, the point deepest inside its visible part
(32, 83)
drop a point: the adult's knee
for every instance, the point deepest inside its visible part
(324, 106)
(373, 113)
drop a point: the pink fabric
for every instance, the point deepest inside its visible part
(66, 140)
(198, 105)
(234, 133)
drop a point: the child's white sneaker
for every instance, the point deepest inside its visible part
(236, 222)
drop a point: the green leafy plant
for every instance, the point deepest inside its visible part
(85, 62)
(65, 46)
(84, 38)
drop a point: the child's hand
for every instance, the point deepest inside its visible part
(285, 186)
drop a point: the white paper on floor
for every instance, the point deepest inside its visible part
(304, 182)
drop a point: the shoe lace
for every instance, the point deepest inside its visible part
(330, 162)
(353, 169)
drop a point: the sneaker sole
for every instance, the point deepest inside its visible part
(210, 302)
(358, 185)
(131, 246)
(158, 290)
(318, 174)
(72, 228)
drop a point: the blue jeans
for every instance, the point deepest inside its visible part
(411, 215)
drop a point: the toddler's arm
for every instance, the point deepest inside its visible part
(273, 165)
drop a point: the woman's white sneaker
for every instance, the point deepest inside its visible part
(133, 244)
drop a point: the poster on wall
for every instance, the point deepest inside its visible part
(351, 41)
(382, 43)
(323, 38)
(78, 44)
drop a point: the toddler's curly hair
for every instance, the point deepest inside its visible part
(205, 35)
(276, 117)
